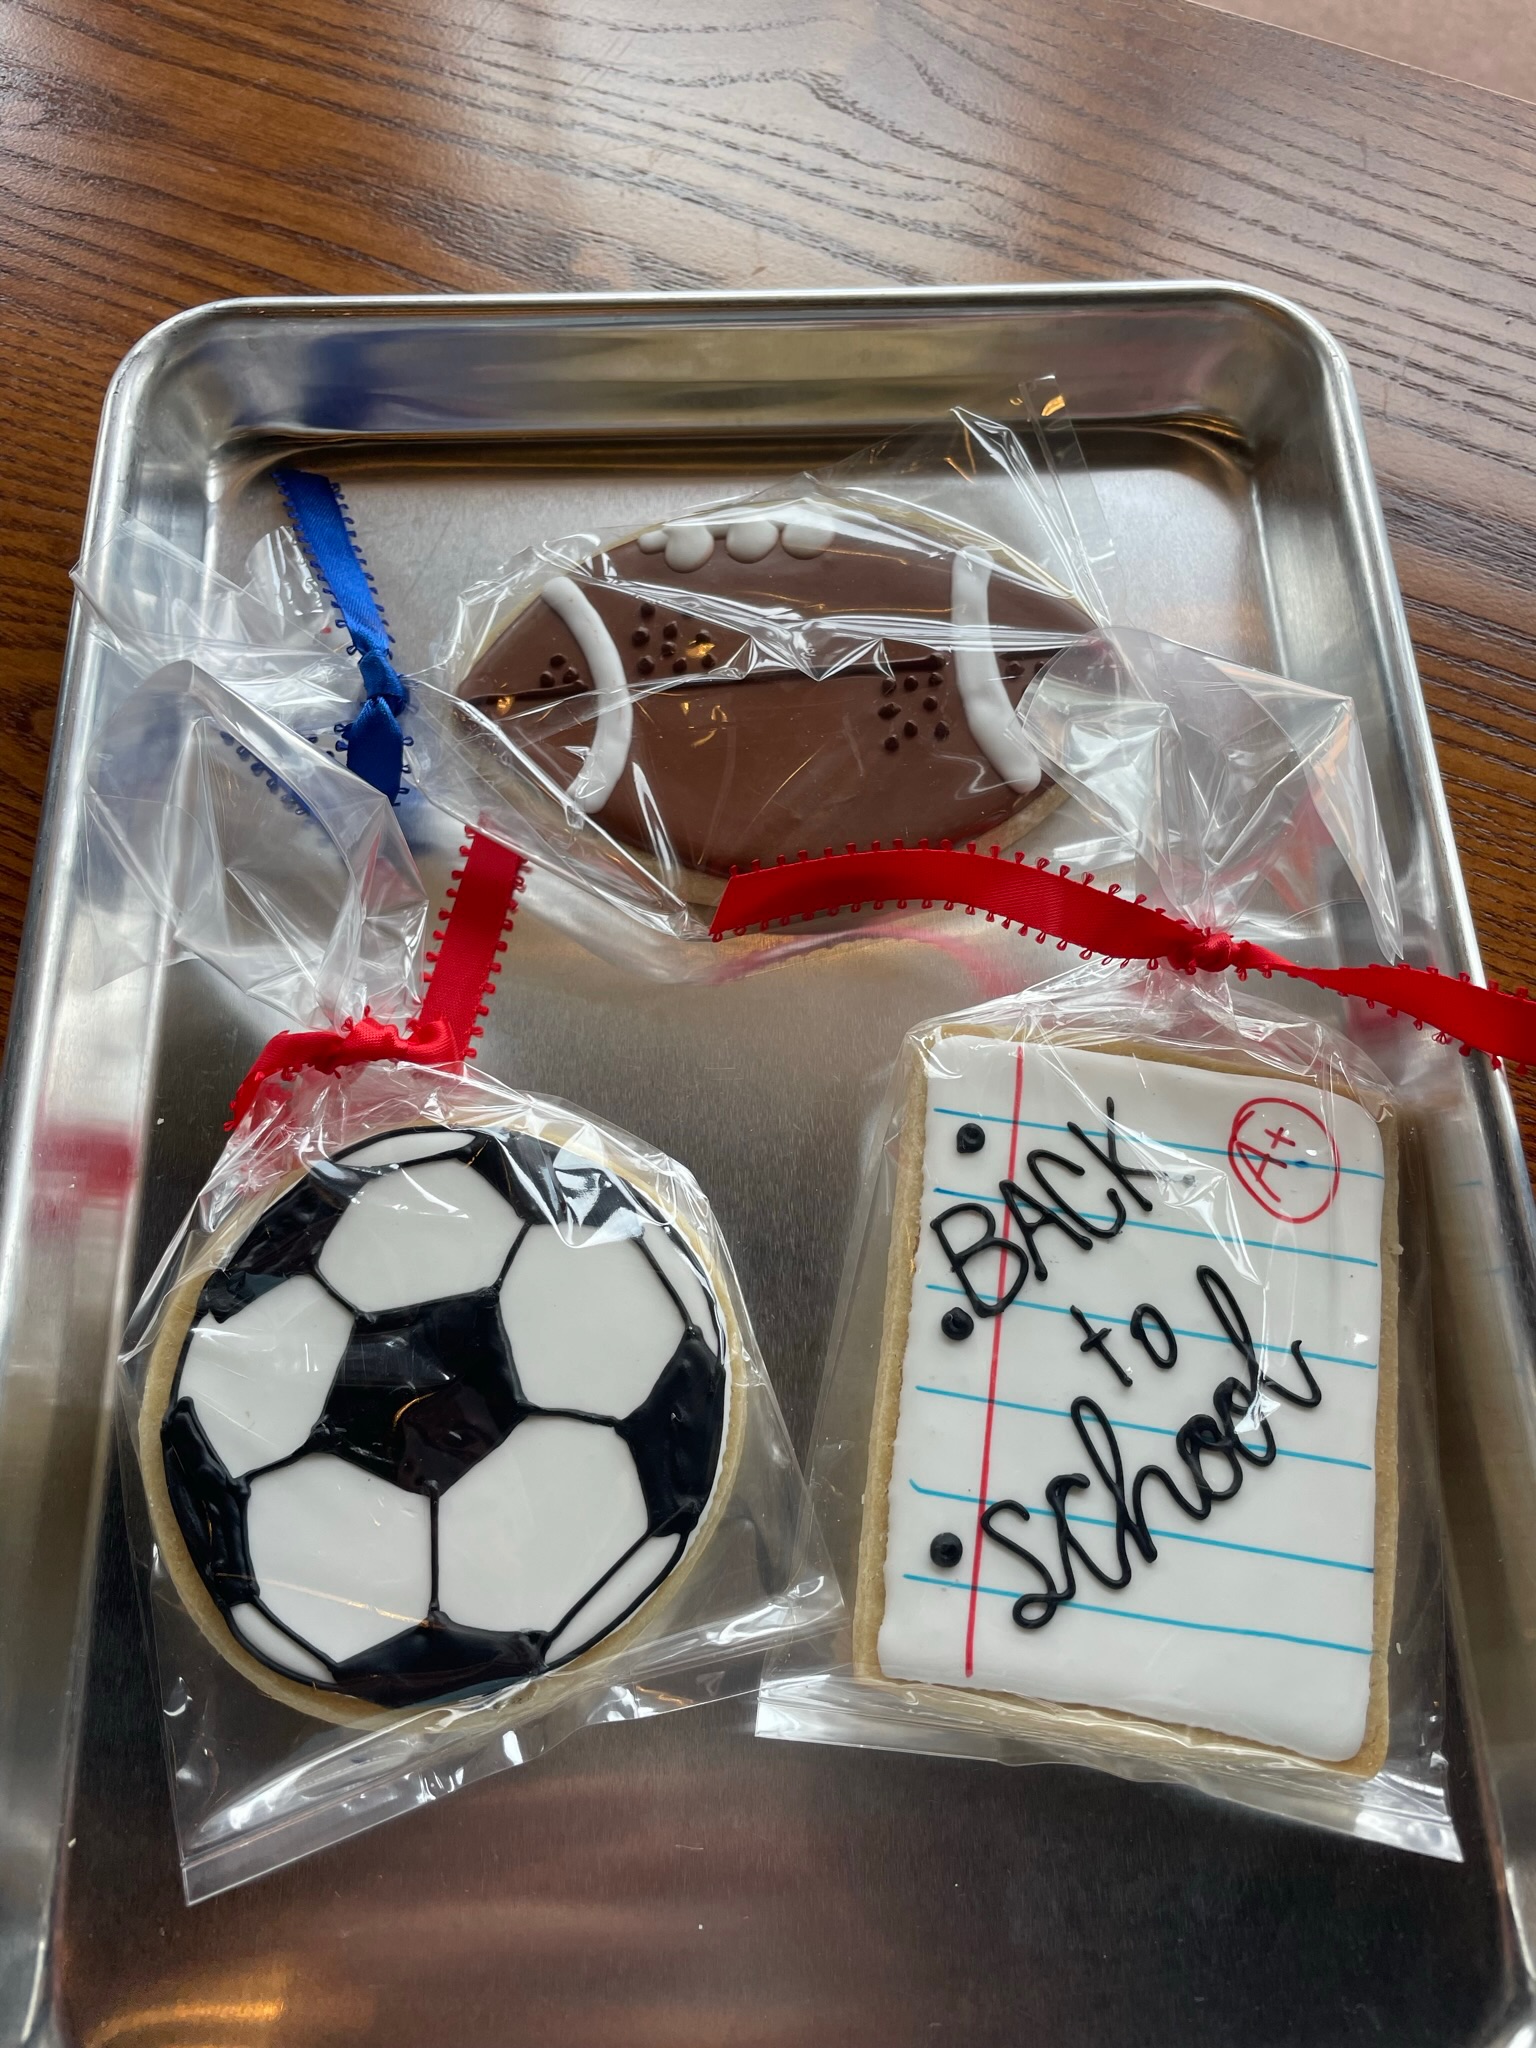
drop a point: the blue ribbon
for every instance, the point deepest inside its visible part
(374, 743)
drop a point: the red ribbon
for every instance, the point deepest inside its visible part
(1036, 897)
(470, 942)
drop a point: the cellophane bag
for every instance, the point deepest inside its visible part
(444, 1430)
(840, 658)
(1124, 1451)
(844, 656)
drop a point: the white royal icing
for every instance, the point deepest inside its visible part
(275, 1645)
(599, 773)
(1256, 1621)
(343, 1558)
(633, 1579)
(523, 1535)
(418, 1234)
(590, 1324)
(259, 1379)
(993, 720)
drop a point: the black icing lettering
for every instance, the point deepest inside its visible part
(1108, 1156)
(1235, 1433)
(1098, 1340)
(1032, 1217)
(1141, 1315)
(1030, 1610)
(960, 1256)
(1066, 1208)
(1225, 1307)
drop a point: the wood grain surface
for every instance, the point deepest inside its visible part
(156, 153)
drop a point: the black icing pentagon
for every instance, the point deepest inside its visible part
(422, 1393)
(209, 1507)
(674, 1436)
(438, 1658)
(285, 1239)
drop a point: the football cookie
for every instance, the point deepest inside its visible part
(441, 1416)
(1134, 1444)
(738, 687)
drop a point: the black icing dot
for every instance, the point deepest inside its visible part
(956, 1323)
(644, 666)
(640, 636)
(910, 682)
(888, 688)
(647, 611)
(946, 1550)
(909, 730)
(557, 661)
(887, 710)
(970, 1138)
(941, 732)
(892, 744)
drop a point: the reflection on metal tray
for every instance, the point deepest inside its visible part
(681, 1882)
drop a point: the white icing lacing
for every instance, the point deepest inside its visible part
(802, 530)
(609, 751)
(992, 719)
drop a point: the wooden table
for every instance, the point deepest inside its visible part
(161, 152)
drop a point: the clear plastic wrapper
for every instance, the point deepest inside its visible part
(844, 657)
(444, 1428)
(1123, 1451)
(839, 660)
(396, 1537)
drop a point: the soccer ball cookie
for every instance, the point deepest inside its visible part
(442, 1416)
(637, 686)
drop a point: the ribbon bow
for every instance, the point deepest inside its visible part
(464, 970)
(1056, 905)
(373, 741)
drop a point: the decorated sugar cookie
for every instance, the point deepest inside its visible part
(1134, 1444)
(656, 688)
(442, 1416)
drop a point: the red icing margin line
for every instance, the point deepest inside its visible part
(470, 941)
(1056, 905)
(982, 1484)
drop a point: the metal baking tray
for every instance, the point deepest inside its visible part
(679, 1882)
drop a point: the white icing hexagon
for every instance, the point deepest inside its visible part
(533, 1527)
(419, 1234)
(342, 1558)
(590, 1324)
(268, 1640)
(634, 1577)
(258, 1381)
(404, 1145)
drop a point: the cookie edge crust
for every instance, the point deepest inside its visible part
(1040, 1720)
(532, 1695)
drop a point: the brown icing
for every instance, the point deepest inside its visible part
(743, 769)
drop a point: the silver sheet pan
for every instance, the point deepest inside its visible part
(679, 1882)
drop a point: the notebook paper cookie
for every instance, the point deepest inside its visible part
(1134, 1442)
